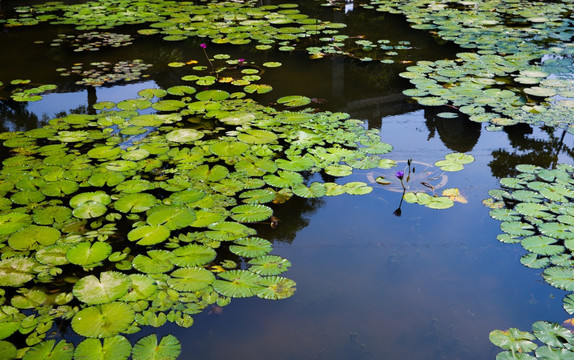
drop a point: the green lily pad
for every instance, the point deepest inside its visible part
(149, 234)
(113, 348)
(514, 340)
(253, 136)
(314, 190)
(135, 203)
(294, 100)
(148, 348)
(269, 265)
(251, 212)
(88, 254)
(276, 287)
(251, 247)
(16, 271)
(101, 321)
(238, 283)
(172, 217)
(49, 349)
(258, 196)
(13, 222)
(192, 255)
(542, 245)
(155, 262)
(190, 279)
(560, 277)
(184, 135)
(33, 236)
(109, 287)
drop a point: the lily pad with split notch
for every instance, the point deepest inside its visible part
(149, 234)
(49, 349)
(315, 190)
(193, 255)
(228, 231)
(254, 136)
(113, 348)
(251, 247)
(251, 212)
(294, 100)
(257, 196)
(111, 286)
(135, 203)
(542, 245)
(184, 135)
(17, 271)
(33, 237)
(269, 265)
(154, 262)
(172, 217)
(101, 321)
(238, 284)
(148, 348)
(88, 254)
(276, 287)
(190, 279)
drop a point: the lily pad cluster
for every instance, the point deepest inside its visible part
(92, 40)
(122, 219)
(546, 341)
(100, 73)
(536, 210)
(282, 26)
(23, 90)
(506, 80)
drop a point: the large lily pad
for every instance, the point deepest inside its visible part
(110, 286)
(101, 321)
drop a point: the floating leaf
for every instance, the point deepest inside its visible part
(238, 283)
(184, 135)
(269, 265)
(148, 348)
(542, 245)
(88, 254)
(33, 236)
(192, 255)
(560, 277)
(149, 234)
(172, 217)
(251, 212)
(113, 348)
(276, 287)
(135, 203)
(49, 349)
(514, 340)
(110, 286)
(101, 321)
(155, 262)
(16, 271)
(294, 100)
(251, 247)
(190, 279)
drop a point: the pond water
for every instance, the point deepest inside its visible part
(427, 284)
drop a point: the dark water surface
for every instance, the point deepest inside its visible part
(430, 284)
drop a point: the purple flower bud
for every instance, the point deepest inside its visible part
(203, 46)
(400, 174)
(241, 61)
